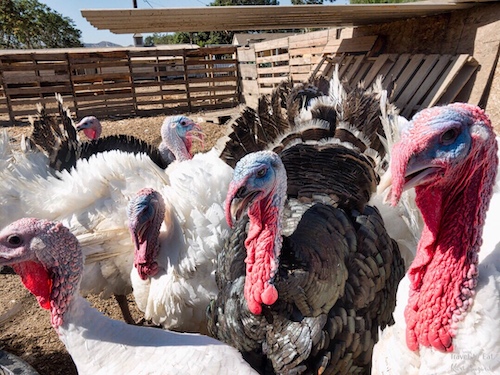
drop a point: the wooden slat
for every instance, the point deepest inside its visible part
(395, 71)
(351, 45)
(426, 85)
(416, 80)
(459, 82)
(444, 82)
(273, 70)
(407, 73)
(376, 68)
(272, 59)
(353, 70)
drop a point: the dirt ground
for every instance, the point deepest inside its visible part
(25, 329)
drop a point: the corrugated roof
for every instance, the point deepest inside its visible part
(128, 21)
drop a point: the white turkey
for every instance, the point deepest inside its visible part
(448, 305)
(177, 231)
(90, 126)
(97, 215)
(49, 260)
(309, 273)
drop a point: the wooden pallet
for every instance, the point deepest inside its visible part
(419, 81)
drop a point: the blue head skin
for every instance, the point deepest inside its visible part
(145, 213)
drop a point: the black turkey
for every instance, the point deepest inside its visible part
(309, 273)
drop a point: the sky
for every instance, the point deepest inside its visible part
(90, 34)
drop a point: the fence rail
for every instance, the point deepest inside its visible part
(121, 82)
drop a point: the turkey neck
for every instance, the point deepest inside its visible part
(263, 246)
(176, 145)
(444, 273)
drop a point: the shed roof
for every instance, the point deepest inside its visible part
(128, 21)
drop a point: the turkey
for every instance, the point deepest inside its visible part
(97, 215)
(309, 273)
(63, 147)
(177, 231)
(90, 126)
(11, 364)
(49, 260)
(448, 305)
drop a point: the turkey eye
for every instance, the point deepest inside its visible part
(449, 136)
(183, 123)
(14, 240)
(261, 172)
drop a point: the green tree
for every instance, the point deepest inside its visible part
(30, 24)
(225, 3)
(309, 2)
(380, 1)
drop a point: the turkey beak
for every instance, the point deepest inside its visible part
(82, 126)
(197, 132)
(238, 204)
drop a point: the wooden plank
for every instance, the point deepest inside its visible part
(416, 80)
(101, 77)
(459, 82)
(97, 96)
(301, 77)
(303, 38)
(272, 59)
(444, 82)
(426, 85)
(353, 69)
(281, 43)
(375, 70)
(39, 90)
(407, 73)
(300, 69)
(19, 79)
(270, 80)
(350, 45)
(362, 71)
(274, 70)
(344, 66)
(395, 71)
(306, 51)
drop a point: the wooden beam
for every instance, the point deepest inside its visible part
(129, 21)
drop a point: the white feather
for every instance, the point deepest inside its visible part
(177, 297)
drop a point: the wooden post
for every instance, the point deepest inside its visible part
(73, 93)
(7, 97)
(186, 79)
(132, 84)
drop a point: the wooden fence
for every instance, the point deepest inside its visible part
(141, 81)
(265, 64)
(121, 82)
(419, 81)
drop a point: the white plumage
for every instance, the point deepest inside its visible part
(193, 231)
(48, 259)
(476, 342)
(91, 200)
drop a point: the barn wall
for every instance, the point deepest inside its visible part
(474, 31)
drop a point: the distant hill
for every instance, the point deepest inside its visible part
(101, 44)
